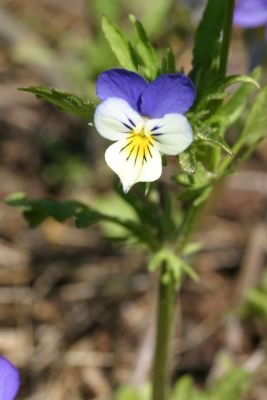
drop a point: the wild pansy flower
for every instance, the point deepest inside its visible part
(9, 380)
(250, 13)
(144, 120)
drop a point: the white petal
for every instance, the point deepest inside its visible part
(114, 119)
(172, 133)
(133, 165)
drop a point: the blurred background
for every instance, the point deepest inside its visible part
(76, 312)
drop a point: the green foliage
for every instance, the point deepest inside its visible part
(207, 43)
(256, 123)
(38, 210)
(233, 384)
(212, 137)
(209, 159)
(119, 44)
(188, 162)
(175, 266)
(255, 301)
(129, 393)
(205, 162)
(232, 109)
(64, 101)
(145, 50)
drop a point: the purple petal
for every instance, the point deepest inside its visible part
(169, 93)
(121, 83)
(9, 380)
(250, 13)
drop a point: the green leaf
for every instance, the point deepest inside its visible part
(234, 106)
(192, 248)
(184, 389)
(217, 91)
(189, 270)
(232, 79)
(145, 49)
(129, 393)
(64, 101)
(168, 62)
(188, 162)
(119, 44)
(174, 265)
(171, 62)
(202, 196)
(231, 386)
(256, 123)
(214, 138)
(207, 40)
(38, 210)
(88, 217)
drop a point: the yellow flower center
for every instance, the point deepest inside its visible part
(139, 146)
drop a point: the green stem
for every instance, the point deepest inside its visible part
(161, 371)
(166, 303)
(227, 32)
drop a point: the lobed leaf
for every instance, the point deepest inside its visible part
(64, 101)
(38, 210)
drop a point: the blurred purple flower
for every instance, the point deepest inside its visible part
(250, 13)
(9, 380)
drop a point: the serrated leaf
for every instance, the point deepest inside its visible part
(215, 139)
(145, 49)
(119, 44)
(64, 101)
(188, 162)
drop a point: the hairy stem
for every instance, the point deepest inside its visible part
(227, 32)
